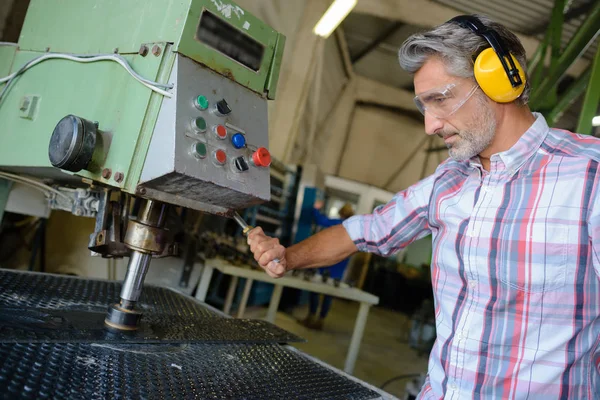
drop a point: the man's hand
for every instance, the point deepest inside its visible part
(318, 204)
(266, 250)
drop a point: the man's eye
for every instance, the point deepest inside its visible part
(439, 100)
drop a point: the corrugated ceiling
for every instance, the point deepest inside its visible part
(530, 17)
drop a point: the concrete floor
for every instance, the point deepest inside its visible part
(384, 352)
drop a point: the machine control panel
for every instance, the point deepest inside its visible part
(217, 133)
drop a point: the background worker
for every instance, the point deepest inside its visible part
(335, 271)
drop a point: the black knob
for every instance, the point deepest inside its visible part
(72, 143)
(223, 108)
(241, 164)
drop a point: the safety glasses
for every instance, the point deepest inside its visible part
(443, 102)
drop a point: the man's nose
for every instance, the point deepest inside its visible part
(432, 124)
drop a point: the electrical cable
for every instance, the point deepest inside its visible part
(154, 86)
(34, 183)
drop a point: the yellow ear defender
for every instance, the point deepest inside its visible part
(496, 70)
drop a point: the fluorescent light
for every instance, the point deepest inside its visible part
(336, 13)
(596, 120)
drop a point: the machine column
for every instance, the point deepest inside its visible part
(145, 237)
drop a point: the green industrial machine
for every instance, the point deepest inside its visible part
(118, 109)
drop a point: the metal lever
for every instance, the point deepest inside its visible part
(245, 227)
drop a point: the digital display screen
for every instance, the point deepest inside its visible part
(230, 41)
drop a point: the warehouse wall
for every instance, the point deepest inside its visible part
(328, 83)
(380, 142)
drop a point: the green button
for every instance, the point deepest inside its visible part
(201, 124)
(200, 149)
(202, 102)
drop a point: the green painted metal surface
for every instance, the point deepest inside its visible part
(592, 98)
(7, 54)
(5, 186)
(587, 32)
(93, 27)
(243, 21)
(571, 94)
(101, 91)
(275, 67)
(536, 64)
(555, 32)
(99, 26)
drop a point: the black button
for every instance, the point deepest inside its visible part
(241, 164)
(223, 108)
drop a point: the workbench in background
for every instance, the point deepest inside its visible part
(366, 300)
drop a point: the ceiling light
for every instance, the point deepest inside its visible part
(336, 13)
(596, 120)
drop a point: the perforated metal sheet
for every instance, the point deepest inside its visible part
(115, 370)
(46, 291)
(199, 371)
(50, 308)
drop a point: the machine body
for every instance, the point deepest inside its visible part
(206, 49)
(147, 104)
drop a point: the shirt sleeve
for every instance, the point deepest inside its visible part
(594, 229)
(395, 225)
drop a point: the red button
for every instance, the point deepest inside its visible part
(221, 132)
(261, 157)
(220, 156)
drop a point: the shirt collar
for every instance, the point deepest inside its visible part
(527, 145)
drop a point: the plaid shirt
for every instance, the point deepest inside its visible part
(515, 267)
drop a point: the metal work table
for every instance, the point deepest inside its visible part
(366, 300)
(53, 345)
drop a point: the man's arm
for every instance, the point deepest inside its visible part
(390, 228)
(327, 247)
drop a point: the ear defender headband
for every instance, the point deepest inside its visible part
(495, 64)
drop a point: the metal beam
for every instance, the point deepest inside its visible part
(427, 154)
(568, 97)
(556, 30)
(552, 39)
(586, 33)
(417, 116)
(5, 186)
(371, 91)
(383, 36)
(406, 162)
(591, 100)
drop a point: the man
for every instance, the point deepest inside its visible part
(514, 216)
(335, 271)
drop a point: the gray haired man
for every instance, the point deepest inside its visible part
(514, 218)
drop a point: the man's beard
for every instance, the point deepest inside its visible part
(477, 136)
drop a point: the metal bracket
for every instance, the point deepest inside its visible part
(80, 202)
(107, 238)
